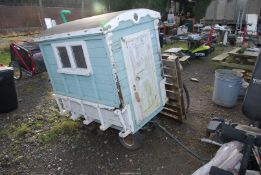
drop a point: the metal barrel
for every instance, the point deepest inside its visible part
(226, 87)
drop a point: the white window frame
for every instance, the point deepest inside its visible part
(73, 69)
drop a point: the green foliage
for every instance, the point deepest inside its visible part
(199, 10)
(3, 134)
(22, 130)
(65, 126)
(48, 137)
(4, 55)
(37, 124)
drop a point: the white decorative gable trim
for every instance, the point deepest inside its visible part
(70, 34)
(134, 15)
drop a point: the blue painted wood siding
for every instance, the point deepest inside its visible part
(98, 87)
(126, 28)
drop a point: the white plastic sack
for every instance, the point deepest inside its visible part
(227, 156)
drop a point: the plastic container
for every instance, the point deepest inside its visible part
(226, 87)
(8, 97)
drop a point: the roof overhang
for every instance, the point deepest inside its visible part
(133, 15)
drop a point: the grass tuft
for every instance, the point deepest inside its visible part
(22, 130)
(5, 54)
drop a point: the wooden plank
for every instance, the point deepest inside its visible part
(168, 57)
(175, 107)
(164, 56)
(170, 79)
(179, 118)
(173, 50)
(172, 95)
(220, 57)
(170, 86)
(168, 63)
(246, 54)
(184, 58)
(236, 66)
(169, 71)
(172, 111)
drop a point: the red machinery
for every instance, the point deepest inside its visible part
(26, 57)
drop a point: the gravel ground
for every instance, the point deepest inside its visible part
(35, 139)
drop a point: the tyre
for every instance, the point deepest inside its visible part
(132, 141)
(17, 70)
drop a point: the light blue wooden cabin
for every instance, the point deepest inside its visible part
(107, 68)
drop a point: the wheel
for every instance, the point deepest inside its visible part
(132, 141)
(17, 70)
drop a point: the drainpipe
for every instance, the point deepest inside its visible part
(62, 15)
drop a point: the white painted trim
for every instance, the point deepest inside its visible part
(130, 15)
(125, 123)
(129, 117)
(90, 31)
(73, 70)
(156, 28)
(163, 91)
(131, 78)
(111, 25)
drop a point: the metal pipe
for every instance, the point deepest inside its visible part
(62, 15)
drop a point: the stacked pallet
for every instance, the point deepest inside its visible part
(174, 107)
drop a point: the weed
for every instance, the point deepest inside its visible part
(22, 130)
(5, 58)
(49, 136)
(39, 117)
(37, 124)
(65, 126)
(3, 134)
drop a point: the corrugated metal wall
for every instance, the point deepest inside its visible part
(228, 10)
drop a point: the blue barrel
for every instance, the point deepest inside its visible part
(226, 87)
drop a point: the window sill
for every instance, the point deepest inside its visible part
(74, 71)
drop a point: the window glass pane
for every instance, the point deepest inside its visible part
(64, 57)
(79, 56)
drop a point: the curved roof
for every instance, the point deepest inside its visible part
(96, 24)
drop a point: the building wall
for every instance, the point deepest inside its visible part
(98, 87)
(227, 10)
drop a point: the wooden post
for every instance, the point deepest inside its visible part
(41, 15)
(82, 9)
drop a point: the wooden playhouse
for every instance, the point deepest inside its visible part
(107, 68)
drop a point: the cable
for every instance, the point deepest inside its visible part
(187, 97)
(179, 142)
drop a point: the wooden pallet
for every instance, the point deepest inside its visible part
(174, 107)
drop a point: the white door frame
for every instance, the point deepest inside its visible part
(131, 79)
